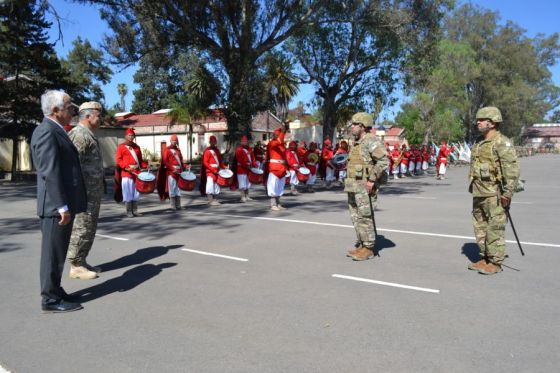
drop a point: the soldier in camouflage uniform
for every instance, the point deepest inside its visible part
(367, 162)
(493, 177)
(85, 224)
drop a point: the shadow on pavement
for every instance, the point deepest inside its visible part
(127, 281)
(139, 257)
(471, 251)
(383, 243)
(7, 247)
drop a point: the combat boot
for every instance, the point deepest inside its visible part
(353, 251)
(178, 203)
(92, 268)
(363, 254)
(81, 273)
(477, 265)
(129, 209)
(490, 269)
(273, 204)
(135, 209)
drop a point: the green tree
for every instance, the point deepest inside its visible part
(28, 66)
(281, 82)
(123, 90)
(85, 68)
(234, 34)
(354, 53)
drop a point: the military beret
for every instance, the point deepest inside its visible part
(91, 105)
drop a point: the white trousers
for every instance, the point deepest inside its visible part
(395, 169)
(342, 175)
(411, 166)
(243, 181)
(418, 166)
(275, 185)
(173, 187)
(442, 168)
(404, 168)
(330, 174)
(424, 165)
(311, 180)
(129, 191)
(293, 178)
(212, 187)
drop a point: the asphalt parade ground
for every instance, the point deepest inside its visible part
(240, 288)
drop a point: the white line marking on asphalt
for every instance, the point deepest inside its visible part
(217, 255)
(111, 237)
(379, 229)
(418, 197)
(361, 279)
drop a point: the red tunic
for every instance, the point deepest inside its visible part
(405, 156)
(276, 155)
(259, 153)
(245, 159)
(326, 155)
(417, 156)
(293, 160)
(173, 161)
(212, 162)
(125, 159)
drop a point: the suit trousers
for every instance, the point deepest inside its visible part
(54, 246)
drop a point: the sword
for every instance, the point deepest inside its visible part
(514, 231)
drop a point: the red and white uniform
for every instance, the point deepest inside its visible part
(425, 158)
(212, 164)
(417, 159)
(395, 156)
(442, 158)
(326, 156)
(404, 160)
(129, 159)
(173, 161)
(342, 167)
(259, 156)
(245, 161)
(294, 164)
(311, 165)
(276, 158)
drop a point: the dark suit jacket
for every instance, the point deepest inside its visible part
(59, 175)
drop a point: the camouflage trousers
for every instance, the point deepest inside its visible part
(83, 232)
(360, 212)
(489, 221)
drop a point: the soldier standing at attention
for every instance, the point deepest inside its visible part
(366, 165)
(85, 223)
(493, 176)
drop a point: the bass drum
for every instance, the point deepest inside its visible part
(303, 174)
(145, 182)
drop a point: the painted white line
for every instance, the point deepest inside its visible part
(361, 279)
(111, 237)
(417, 197)
(379, 229)
(217, 255)
(2, 370)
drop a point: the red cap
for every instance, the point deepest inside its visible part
(312, 145)
(213, 140)
(277, 131)
(129, 131)
(292, 144)
(174, 138)
(244, 139)
(327, 142)
(403, 146)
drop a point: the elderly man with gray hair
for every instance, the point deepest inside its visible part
(61, 194)
(85, 224)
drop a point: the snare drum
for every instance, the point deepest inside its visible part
(145, 182)
(225, 177)
(303, 174)
(187, 181)
(256, 175)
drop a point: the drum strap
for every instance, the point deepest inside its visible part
(248, 155)
(215, 156)
(134, 155)
(176, 158)
(295, 155)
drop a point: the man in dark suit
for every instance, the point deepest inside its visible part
(61, 195)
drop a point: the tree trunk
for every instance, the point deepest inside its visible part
(329, 119)
(427, 134)
(15, 157)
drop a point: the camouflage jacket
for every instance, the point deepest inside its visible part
(89, 152)
(494, 168)
(367, 160)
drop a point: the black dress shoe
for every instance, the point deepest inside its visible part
(60, 306)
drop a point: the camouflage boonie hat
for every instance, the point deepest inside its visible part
(490, 112)
(91, 105)
(364, 119)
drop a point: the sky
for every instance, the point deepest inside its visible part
(536, 16)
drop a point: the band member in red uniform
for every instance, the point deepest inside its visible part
(425, 158)
(442, 160)
(277, 166)
(311, 161)
(169, 173)
(129, 162)
(211, 165)
(259, 152)
(326, 156)
(405, 155)
(343, 149)
(395, 156)
(294, 164)
(417, 154)
(245, 159)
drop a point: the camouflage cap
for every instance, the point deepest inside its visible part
(364, 119)
(91, 105)
(490, 112)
